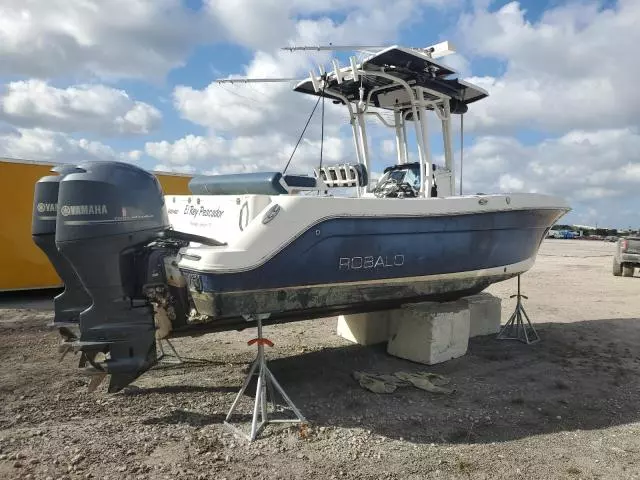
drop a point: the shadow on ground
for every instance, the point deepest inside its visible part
(582, 375)
(41, 299)
(172, 389)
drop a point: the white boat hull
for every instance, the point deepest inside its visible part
(300, 254)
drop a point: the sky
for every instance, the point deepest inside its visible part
(132, 80)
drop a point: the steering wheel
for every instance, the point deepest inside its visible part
(407, 189)
(386, 189)
(391, 188)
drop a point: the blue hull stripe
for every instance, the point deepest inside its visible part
(365, 249)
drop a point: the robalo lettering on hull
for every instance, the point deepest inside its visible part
(371, 262)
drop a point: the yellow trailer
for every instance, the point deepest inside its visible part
(23, 266)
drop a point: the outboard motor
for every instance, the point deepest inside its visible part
(74, 299)
(108, 215)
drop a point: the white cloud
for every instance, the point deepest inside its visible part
(148, 38)
(260, 108)
(572, 69)
(95, 108)
(270, 25)
(45, 145)
(570, 75)
(510, 183)
(161, 167)
(115, 38)
(190, 149)
(133, 156)
(586, 167)
(245, 154)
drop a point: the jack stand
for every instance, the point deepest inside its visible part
(178, 360)
(266, 381)
(515, 328)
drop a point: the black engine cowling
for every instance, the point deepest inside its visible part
(108, 214)
(74, 299)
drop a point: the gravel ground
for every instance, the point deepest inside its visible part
(565, 408)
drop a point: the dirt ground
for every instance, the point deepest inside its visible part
(565, 408)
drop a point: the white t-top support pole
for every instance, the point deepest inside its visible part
(364, 143)
(420, 141)
(405, 115)
(356, 136)
(405, 145)
(448, 150)
(427, 150)
(401, 146)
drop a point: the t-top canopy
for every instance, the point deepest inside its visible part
(405, 66)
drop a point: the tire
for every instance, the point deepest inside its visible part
(617, 269)
(627, 271)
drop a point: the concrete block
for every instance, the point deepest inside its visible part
(485, 314)
(364, 328)
(429, 332)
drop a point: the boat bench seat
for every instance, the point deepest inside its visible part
(254, 183)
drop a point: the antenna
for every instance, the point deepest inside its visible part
(330, 47)
(256, 80)
(434, 51)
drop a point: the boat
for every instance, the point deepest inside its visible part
(285, 247)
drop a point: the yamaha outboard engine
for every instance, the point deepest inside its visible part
(108, 214)
(74, 298)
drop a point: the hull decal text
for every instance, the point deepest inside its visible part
(370, 262)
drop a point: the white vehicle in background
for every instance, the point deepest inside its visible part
(556, 234)
(627, 256)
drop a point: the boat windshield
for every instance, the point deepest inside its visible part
(403, 174)
(399, 180)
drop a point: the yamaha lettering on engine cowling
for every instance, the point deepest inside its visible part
(108, 214)
(74, 299)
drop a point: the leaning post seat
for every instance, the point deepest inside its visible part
(255, 183)
(343, 175)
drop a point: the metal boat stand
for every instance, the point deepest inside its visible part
(266, 383)
(516, 328)
(172, 359)
(162, 357)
